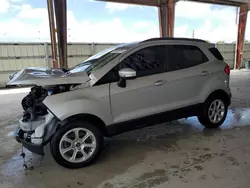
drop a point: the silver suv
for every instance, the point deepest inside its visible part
(120, 89)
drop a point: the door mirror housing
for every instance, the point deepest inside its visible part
(126, 74)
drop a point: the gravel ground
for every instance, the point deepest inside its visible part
(176, 154)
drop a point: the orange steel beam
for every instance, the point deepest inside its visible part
(52, 33)
(220, 2)
(162, 15)
(241, 34)
(135, 2)
(170, 18)
(61, 22)
(155, 2)
(166, 18)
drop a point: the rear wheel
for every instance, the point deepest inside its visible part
(76, 144)
(214, 112)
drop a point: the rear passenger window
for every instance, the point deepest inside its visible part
(216, 53)
(184, 56)
(147, 61)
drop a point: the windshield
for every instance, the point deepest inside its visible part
(80, 67)
(100, 59)
(100, 54)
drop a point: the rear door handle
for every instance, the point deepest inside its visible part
(160, 82)
(204, 73)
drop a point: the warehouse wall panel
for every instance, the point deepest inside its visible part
(3, 51)
(4, 78)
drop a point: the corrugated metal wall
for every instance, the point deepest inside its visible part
(14, 56)
(17, 56)
(228, 52)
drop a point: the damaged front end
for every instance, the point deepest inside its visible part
(38, 124)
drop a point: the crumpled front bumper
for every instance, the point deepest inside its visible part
(34, 148)
(35, 135)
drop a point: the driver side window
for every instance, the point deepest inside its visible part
(147, 61)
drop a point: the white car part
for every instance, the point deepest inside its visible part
(39, 126)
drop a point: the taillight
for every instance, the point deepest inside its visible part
(227, 70)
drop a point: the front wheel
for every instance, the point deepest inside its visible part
(76, 144)
(214, 112)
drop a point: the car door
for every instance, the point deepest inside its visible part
(147, 94)
(188, 69)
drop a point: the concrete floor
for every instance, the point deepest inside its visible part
(177, 154)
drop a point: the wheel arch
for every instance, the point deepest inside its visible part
(93, 119)
(222, 94)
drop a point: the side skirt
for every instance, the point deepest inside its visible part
(154, 119)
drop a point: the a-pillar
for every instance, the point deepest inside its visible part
(241, 34)
(166, 11)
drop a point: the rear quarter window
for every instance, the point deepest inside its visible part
(216, 53)
(184, 56)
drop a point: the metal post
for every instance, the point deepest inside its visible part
(61, 22)
(52, 33)
(241, 34)
(162, 15)
(170, 18)
(166, 17)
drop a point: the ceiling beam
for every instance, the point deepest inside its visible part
(220, 2)
(158, 2)
(135, 2)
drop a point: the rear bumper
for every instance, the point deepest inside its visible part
(37, 149)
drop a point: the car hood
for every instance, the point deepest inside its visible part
(47, 76)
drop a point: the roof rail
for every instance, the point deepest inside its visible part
(173, 38)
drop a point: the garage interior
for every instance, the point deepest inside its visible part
(177, 154)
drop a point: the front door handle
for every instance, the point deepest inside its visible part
(204, 73)
(159, 82)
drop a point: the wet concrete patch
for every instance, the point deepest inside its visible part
(152, 182)
(147, 175)
(236, 117)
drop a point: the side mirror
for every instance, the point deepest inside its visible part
(126, 74)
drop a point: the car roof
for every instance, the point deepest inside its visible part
(186, 41)
(132, 44)
(174, 39)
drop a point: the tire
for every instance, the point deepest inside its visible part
(65, 139)
(205, 118)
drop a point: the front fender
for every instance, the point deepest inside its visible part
(76, 102)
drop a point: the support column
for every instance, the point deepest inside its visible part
(61, 22)
(52, 33)
(241, 34)
(166, 11)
